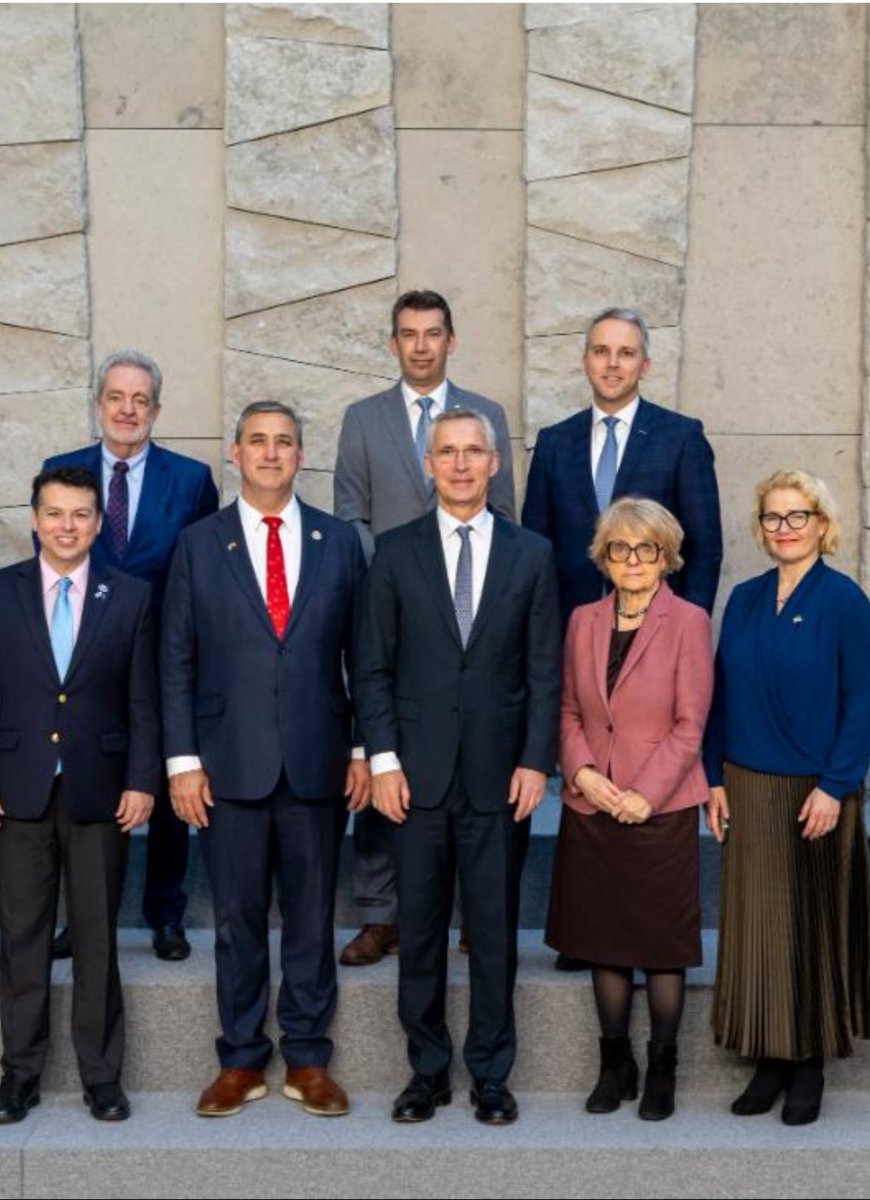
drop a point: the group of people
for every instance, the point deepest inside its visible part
(423, 662)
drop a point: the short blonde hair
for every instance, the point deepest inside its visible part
(645, 519)
(819, 499)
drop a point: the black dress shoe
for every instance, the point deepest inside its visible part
(421, 1097)
(170, 944)
(760, 1094)
(17, 1098)
(564, 962)
(803, 1096)
(107, 1102)
(493, 1102)
(61, 947)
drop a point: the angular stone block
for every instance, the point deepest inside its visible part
(347, 329)
(759, 64)
(568, 282)
(273, 261)
(36, 425)
(572, 129)
(274, 85)
(775, 269)
(557, 387)
(447, 75)
(646, 51)
(315, 487)
(153, 66)
(15, 544)
(640, 209)
(42, 191)
(40, 94)
(318, 394)
(346, 24)
(44, 285)
(32, 361)
(342, 173)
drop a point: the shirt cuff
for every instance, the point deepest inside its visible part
(358, 753)
(386, 761)
(183, 762)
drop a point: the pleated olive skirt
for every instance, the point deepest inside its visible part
(793, 975)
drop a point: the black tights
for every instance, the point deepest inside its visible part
(665, 994)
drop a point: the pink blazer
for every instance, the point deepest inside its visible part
(647, 736)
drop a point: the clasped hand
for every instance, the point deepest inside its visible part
(627, 806)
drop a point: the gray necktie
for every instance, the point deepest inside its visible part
(423, 424)
(462, 593)
(605, 473)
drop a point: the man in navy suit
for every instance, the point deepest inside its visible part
(623, 445)
(150, 494)
(79, 766)
(257, 631)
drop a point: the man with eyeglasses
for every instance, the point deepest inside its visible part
(623, 445)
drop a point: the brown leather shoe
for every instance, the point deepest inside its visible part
(370, 945)
(232, 1088)
(315, 1091)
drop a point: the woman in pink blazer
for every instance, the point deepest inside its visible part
(637, 683)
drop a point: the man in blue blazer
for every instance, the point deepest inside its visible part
(79, 766)
(257, 630)
(621, 446)
(150, 494)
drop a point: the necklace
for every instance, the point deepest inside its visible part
(638, 613)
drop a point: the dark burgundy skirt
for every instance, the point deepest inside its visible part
(627, 895)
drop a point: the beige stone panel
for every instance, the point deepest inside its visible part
(44, 285)
(639, 209)
(557, 387)
(15, 540)
(463, 214)
(342, 173)
(346, 329)
(272, 261)
(315, 487)
(348, 24)
(274, 86)
(459, 68)
(35, 425)
(568, 282)
(153, 66)
(156, 256)
(772, 320)
(521, 459)
(764, 64)
(573, 129)
(40, 91)
(33, 361)
(742, 460)
(646, 51)
(319, 395)
(42, 191)
(207, 450)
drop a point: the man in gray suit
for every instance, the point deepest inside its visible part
(380, 484)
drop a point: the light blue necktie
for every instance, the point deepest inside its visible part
(423, 424)
(62, 636)
(605, 474)
(462, 592)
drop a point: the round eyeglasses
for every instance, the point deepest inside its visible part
(772, 522)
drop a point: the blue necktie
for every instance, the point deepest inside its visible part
(462, 592)
(62, 636)
(605, 474)
(423, 424)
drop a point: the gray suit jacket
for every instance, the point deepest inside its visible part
(378, 481)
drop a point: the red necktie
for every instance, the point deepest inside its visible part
(277, 599)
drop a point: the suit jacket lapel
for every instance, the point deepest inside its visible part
(395, 419)
(635, 448)
(601, 631)
(502, 557)
(98, 597)
(309, 568)
(29, 587)
(431, 558)
(151, 497)
(580, 451)
(653, 622)
(231, 537)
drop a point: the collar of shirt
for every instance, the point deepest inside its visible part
(133, 462)
(252, 518)
(438, 394)
(448, 524)
(625, 415)
(78, 578)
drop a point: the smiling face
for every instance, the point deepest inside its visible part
(792, 547)
(126, 411)
(66, 524)
(615, 363)
(268, 456)
(422, 345)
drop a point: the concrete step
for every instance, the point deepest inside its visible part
(172, 1023)
(273, 1149)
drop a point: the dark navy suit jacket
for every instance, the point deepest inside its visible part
(245, 701)
(176, 491)
(667, 458)
(101, 721)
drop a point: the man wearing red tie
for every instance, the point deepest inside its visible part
(257, 631)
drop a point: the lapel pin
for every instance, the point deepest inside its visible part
(102, 592)
(232, 545)
(797, 620)
(316, 535)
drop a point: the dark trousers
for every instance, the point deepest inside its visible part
(488, 850)
(92, 856)
(164, 901)
(243, 845)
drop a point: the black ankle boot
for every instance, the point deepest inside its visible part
(803, 1097)
(617, 1079)
(657, 1101)
(759, 1096)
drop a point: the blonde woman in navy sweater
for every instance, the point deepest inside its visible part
(786, 752)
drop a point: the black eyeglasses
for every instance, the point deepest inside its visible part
(772, 522)
(644, 552)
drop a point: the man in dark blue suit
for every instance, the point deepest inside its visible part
(257, 630)
(79, 766)
(150, 494)
(622, 446)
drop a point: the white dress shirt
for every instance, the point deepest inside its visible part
(624, 421)
(413, 408)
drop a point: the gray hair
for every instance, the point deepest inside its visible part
(462, 414)
(642, 518)
(268, 406)
(129, 358)
(622, 314)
